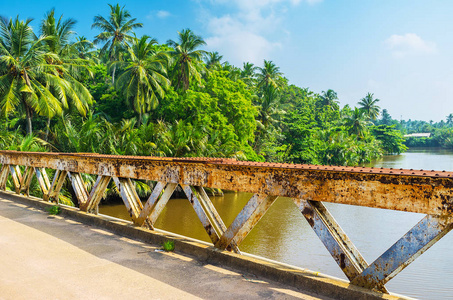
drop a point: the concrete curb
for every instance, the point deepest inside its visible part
(292, 276)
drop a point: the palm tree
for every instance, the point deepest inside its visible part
(450, 119)
(59, 33)
(213, 59)
(116, 32)
(186, 139)
(144, 78)
(248, 73)
(22, 65)
(369, 106)
(60, 30)
(83, 48)
(386, 119)
(330, 99)
(186, 58)
(357, 123)
(30, 78)
(269, 108)
(234, 73)
(269, 75)
(269, 113)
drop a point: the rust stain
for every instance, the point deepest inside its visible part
(309, 215)
(342, 261)
(422, 191)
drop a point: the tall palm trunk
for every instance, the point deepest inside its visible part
(29, 124)
(28, 114)
(47, 129)
(113, 75)
(258, 143)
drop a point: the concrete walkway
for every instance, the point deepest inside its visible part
(45, 257)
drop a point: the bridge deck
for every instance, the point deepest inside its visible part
(55, 258)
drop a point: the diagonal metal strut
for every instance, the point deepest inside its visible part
(343, 251)
(244, 222)
(415, 242)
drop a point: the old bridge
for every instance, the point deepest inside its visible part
(419, 191)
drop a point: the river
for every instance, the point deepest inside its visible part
(284, 235)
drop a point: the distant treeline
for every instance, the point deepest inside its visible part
(441, 133)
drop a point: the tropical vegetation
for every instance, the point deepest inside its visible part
(131, 95)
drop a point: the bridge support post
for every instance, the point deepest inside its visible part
(96, 194)
(16, 176)
(130, 198)
(213, 215)
(244, 222)
(57, 183)
(155, 206)
(159, 195)
(26, 180)
(78, 186)
(415, 242)
(4, 176)
(43, 181)
(336, 241)
(201, 213)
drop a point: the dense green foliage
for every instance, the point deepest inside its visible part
(135, 96)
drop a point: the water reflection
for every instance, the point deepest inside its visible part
(284, 235)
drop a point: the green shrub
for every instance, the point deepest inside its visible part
(169, 246)
(54, 210)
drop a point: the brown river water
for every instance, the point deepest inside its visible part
(285, 236)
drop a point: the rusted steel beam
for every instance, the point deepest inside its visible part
(209, 209)
(150, 204)
(26, 180)
(244, 222)
(16, 176)
(344, 252)
(333, 237)
(4, 176)
(202, 215)
(159, 206)
(51, 186)
(96, 194)
(57, 184)
(58, 176)
(214, 216)
(406, 190)
(77, 185)
(415, 242)
(43, 181)
(45, 176)
(130, 198)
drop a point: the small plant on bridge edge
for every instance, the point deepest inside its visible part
(54, 210)
(168, 246)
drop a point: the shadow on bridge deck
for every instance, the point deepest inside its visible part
(53, 257)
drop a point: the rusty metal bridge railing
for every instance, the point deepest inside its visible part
(419, 191)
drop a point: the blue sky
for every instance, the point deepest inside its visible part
(402, 51)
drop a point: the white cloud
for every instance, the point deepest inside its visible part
(242, 46)
(409, 44)
(162, 14)
(238, 41)
(248, 33)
